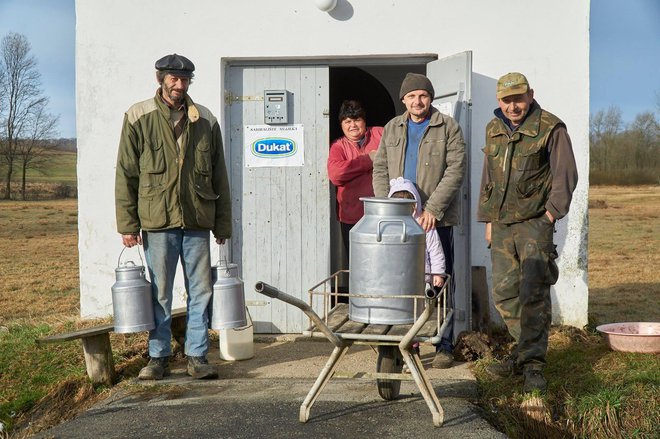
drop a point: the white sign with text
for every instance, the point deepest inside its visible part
(273, 146)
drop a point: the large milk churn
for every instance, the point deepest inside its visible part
(131, 298)
(228, 309)
(386, 259)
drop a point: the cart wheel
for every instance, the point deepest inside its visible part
(389, 361)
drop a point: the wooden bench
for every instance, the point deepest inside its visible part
(98, 350)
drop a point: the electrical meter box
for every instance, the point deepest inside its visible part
(276, 106)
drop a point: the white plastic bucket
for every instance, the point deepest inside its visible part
(237, 344)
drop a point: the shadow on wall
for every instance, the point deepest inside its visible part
(343, 11)
(483, 104)
(572, 262)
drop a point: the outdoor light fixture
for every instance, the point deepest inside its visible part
(326, 5)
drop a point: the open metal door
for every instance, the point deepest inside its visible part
(280, 214)
(452, 81)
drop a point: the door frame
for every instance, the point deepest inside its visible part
(360, 61)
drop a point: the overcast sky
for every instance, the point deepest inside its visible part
(625, 53)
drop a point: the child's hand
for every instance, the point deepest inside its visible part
(438, 281)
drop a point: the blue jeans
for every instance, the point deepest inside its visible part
(163, 250)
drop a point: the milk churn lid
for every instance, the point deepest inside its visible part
(128, 266)
(225, 269)
(223, 265)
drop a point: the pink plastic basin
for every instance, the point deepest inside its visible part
(632, 336)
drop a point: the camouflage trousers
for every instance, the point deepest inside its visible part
(523, 257)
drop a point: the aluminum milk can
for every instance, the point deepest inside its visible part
(387, 248)
(131, 298)
(228, 309)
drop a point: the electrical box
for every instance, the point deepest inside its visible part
(276, 106)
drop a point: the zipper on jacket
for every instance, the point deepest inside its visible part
(180, 156)
(507, 177)
(419, 148)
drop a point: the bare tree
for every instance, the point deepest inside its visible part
(604, 129)
(644, 132)
(21, 87)
(33, 148)
(3, 93)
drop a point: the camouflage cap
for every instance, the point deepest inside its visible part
(512, 84)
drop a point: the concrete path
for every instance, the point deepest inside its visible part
(261, 397)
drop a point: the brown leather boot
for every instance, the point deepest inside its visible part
(534, 380)
(199, 368)
(503, 369)
(442, 360)
(156, 369)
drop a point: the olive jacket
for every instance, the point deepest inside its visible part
(441, 164)
(163, 184)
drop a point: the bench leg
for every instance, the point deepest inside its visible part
(98, 359)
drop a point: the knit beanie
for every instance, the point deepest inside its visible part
(415, 81)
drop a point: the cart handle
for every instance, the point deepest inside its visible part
(270, 291)
(429, 292)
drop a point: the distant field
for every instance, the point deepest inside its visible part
(54, 179)
(60, 167)
(624, 238)
(38, 261)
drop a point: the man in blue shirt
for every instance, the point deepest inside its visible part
(427, 148)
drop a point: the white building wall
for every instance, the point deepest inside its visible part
(118, 42)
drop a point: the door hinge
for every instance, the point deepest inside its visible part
(231, 98)
(256, 302)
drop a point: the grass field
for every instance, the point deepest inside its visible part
(624, 255)
(45, 182)
(593, 391)
(39, 261)
(60, 168)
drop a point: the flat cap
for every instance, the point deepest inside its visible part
(415, 81)
(176, 65)
(512, 84)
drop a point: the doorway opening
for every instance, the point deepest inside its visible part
(377, 88)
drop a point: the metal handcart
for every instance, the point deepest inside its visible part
(394, 343)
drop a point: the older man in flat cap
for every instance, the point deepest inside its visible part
(528, 179)
(171, 189)
(427, 148)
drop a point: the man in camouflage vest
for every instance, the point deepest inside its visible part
(528, 179)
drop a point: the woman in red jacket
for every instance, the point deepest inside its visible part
(350, 163)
